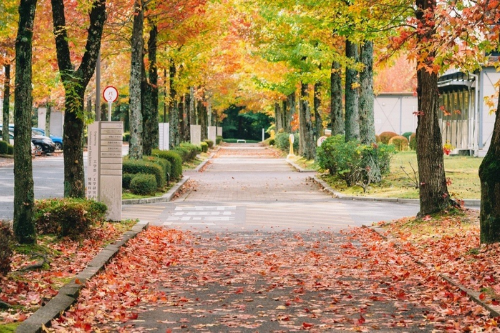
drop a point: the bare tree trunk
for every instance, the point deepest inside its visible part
(48, 113)
(278, 118)
(336, 117)
(434, 196)
(366, 97)
(293, 110)
(135, 94)
(318, 122)
(24, 201)
(75, 83)
(202, 115)
(306, 127)
(173, 109)
(351, 95)
(150, 96)
(6, 103)
(192, 108)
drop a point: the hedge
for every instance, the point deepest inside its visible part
(174, 159)
(3, 147)
(141, 166)
(143, 184)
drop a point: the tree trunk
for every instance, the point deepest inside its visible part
(6, 103)
(366, 97)
(187, 112)
(336, 117)
(306, 127)
(181, 119)
(192, 108)
(293, 109)
(150, 96)
(75, 83)
(48, 113)
(278, 117)
(202, 115)
(24, 201)
(136, 69)
(351, 95)
(173, 109)
(318, 122)
(434, 196)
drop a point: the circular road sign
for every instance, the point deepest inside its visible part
(110, 94)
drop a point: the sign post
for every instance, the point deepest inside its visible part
(110, 95)
(291, 139)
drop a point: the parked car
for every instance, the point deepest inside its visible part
(57, 139)
(43, 144)
(11, 141)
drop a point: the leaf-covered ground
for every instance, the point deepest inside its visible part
(283, 282)
(27, 287)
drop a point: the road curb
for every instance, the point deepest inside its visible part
(494, 310)
(299, 168)
(68, 293)
(467, 202)
(164, 198)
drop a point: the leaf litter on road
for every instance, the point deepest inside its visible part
(275, 282)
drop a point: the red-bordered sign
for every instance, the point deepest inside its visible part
(110, 94)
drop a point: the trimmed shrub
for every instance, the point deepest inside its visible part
(204, 147)
(399, 142)
(283, 143)
(141, 166)
(143, 184)
(210, 143)
(407, 135)
(218, 139)
(165, 165)
(70, 217)
(174, 159)
(4, 147)
(10, 149)
(126, 178)
(353, 162)
(192, 150)
(6, 239)
(413, 142)
(386, 136)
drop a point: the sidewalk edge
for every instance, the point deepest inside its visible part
(68, 293)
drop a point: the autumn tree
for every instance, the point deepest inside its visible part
(75, 82)
(24, 199)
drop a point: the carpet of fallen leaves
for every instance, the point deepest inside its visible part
(169, 280)
(27, 290)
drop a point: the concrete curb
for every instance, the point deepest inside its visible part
(164, 198)
(68, 294)
(467, 202)
(494, 310)
(299, 168)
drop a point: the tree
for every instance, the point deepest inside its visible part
(24, 200)
(75, 83)
(6, 103)
(136, 68)
(434, 196)
(351, 93)
(366, 96)
(336, 114)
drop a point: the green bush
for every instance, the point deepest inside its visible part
(141, 166)
(282, 141)
(272, 142)
(204, 147)
(68, 216)
(182, 152)
(353, 162)
(10, 149)
(174, 159)
(210, 143)
(3, 147)
(413, 142)
(218, 139)
(126, 178)
(399, 142)
(192, 150)
(165, 165)
(6, 240)
(143, 184)
(386, 136)
(126, 136)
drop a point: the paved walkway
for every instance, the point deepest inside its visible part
(245, 187)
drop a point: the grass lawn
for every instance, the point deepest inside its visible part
(462, 172)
